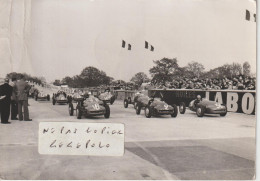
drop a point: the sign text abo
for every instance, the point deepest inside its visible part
(68, 138)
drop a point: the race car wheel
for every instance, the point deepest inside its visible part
(138, 109)
(126, 103)
(224, 114)
(182, 108)
(175, 111)
(79, 113)
(200, 111)
(48, 97)
(71, 109)
(107, 114)
(53, 102)
(148, 112)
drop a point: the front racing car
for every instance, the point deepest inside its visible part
(89, 107)
(207, 107)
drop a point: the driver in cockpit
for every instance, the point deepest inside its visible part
(197, 100)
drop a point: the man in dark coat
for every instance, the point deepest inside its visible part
(6, 93)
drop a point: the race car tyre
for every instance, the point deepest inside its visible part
(182, 108)
(48, 97)
(175, 111)
(126, 103)
(224, 114)
(107, 114)
(148, 112)
(53, 102)
(71, 109)
(200, 111)
(138, 109)
(79, 113)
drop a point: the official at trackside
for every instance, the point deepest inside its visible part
(14, 103)
(22, 88)
(5, 101)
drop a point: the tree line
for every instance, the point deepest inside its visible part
(38, 80)
(164, 70)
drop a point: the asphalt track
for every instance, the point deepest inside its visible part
(186, 147)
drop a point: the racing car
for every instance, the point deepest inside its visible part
(60, 97)
(140, 102)
(32, 92)
(207, 107)
(131, 98)
(42, 96)
(75, 97)
(156, 107)
(107, 97)
(90, 106)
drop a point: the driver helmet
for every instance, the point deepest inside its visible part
(198, 97)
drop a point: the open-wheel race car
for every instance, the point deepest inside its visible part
(156, 107)
(60, 97)
(89, 107)
(140, 102)
(107, 97)
(130, 97)
(205, 106)
(32, 92)
(75, 97)
(42, 96)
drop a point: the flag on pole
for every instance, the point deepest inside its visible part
(247, 15)
(123, 43)
(129, 47)
(148, 46)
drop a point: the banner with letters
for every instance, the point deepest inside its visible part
(242, 101)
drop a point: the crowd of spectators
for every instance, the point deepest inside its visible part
(236, 83)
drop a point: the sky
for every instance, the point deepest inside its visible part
(69, 35)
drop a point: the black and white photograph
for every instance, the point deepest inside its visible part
(128, 89)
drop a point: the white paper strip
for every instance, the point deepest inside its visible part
(69, 138)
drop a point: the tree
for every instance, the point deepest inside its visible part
(236, 69)
(246, 69)
(91, 76)
(38, 80)
(57, 82)
(140, 78)
(164, 70)
(195, 69)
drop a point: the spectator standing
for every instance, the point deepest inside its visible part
(22, 88)
(5, 91)
(14, 103)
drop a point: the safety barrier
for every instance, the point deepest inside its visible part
(242, 101)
